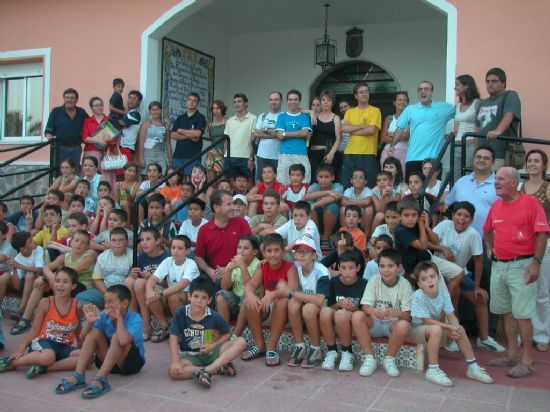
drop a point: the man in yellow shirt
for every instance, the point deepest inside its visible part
(363, 123)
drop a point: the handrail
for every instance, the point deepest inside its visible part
(34, 147)
(140, 197)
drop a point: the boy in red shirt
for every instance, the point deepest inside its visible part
(273, 304)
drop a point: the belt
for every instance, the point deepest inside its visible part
(522, 257)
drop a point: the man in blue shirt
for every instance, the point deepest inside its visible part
(427, 121)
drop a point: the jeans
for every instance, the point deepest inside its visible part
(177, 163)
(366, 162)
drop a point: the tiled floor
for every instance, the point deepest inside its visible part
(258, 388)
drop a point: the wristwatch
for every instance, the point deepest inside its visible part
(265, 131)
(284, 134)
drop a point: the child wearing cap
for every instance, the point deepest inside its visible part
(240, 207)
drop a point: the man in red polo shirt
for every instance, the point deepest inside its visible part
(515, 235)
(217, 240)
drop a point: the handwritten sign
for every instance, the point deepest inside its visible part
(185, 70)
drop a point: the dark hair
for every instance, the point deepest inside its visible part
(119, 231)
(358, 86)
(91, 104)
(3, 227)
(70, 90)
(197, 201)
(423, 267)
(173, 172)
(122, 215)
(19, 239)
(156, 104)
(407, 204)
(390, 254)
(471, 92)
(432, 162)
(544, 158)
(273, 239)
(360, 170)
(4, 207)
(385, 238)
(117, 81)
(294, 91)
(385, 173)
(55, 208)
(82, 233)
(121, 291)
(417, 173)
(186, 241)
(153, 230)
(216, 197)
(240, 96)
(390, 160)
(346, 100)
(323, 167)
(91, 159)
(70, 272)
(269, 166)
(318, 98)
(27, 197)
(303, 205)
(106, 184)
(470, 208)
(136, 93)
(276, 92)
(159, 167)
(274, 194)
(353, 208)
(488, 148)
(497, 71)
(110, 199)
(129, 165)
(328, 93)
(240, 175)
(297, 167)
(83, 182)
(201, 284)
(69, 161)
(194, 94)
(221, 105)
(350, 256)
(347, 237)
(391, 206)
(252, 239)
(80, 218)
(158, 198)
(429, 82)
(57, 193)
(403, 92)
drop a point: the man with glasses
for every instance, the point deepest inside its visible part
(427, 121)
(499, 114)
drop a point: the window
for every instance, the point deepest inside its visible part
(22, 100)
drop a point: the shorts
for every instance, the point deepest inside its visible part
(232, 300)
(509, 292)
(331, 207)
(287, 160)
(417, 334)
(381, 328)
(467, 284)
(92, 296)
(448, 270)
(61, 350)
(202, 360)
(132, 364)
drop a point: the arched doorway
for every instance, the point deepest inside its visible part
(344, 76)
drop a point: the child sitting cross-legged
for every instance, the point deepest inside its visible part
(199, 339)
(273, 304)
(54, 330)
(306, 303)
(113, 339)
(346, 291)
(385, 312)
(428, 305)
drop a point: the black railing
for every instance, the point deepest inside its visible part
(141, 196)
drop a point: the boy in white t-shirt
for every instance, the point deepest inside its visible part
(295, 191)
(300, 226)
(195, 219)
(385, 312)
(176, 273)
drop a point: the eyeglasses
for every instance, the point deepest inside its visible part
(301, 252)
(358, 177)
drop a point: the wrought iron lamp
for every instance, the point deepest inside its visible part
(325, 48)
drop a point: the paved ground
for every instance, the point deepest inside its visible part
(284, 389)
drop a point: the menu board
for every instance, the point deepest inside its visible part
(185, 70)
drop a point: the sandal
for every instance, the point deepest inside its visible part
(5, 364)
(95, 391)
(146, 338)
(21, 328)
(252, 352)
(521, 370)
(35, 370)
(298, 355)
(502, 362)
(272, 358)
(66, 386)
(15, 316)
(203, 377)
(159, 335)
(228, 370)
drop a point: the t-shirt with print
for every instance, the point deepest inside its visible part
(340, 291)
(463, 245)
(316, 282)
(426, 307)
(191, 231)
(113, 269)
(149, 264)
(404, 237)
(7, 250)
(35, 260)
(289, 122)
(349, 193)
(132, 323)
(268, 148)
(271, 277)
(174, 273)
(290, 196)
(380, 295)
(291, 234)
(237, 279)
(193, 334)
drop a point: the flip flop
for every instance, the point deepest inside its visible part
(521, 370)
(272, 359)
(253, 352)
(95, 391)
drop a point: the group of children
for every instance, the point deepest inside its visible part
(72, 259)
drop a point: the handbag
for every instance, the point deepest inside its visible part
(113, 161)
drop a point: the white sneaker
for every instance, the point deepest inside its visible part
(490, 344)
(452, 346)
(437, 376)
(478, 373)
(330, 360)
(390, 366)
(346, 362)
(368, 366)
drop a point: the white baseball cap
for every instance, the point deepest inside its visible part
(242, 198)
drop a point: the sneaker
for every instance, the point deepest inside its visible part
(297, 356)
(346, 362)
(478, 373)
(368, 366)
(330, 360)
(437, 376)
(390, 366)
(490, 344)
(452, 346)
(314, 358)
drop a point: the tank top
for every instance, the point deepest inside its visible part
(156, 137)
(216, 132)
(85, 275)
(57, 327)
(540, 194)
(272, 276)
(392, 127)
(466, 120)
(323, 134)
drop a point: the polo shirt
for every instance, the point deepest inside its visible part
(187, 148)
(216, 245)
(359, 144)
(67, 131)
(239, 131)
(481, 195)
(427, 124)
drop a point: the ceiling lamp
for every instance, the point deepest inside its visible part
(325, 48)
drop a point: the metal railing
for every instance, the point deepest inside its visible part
(141, 196)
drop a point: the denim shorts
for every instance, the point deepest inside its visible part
(61, 350)
(92, 296)
(467, 284)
